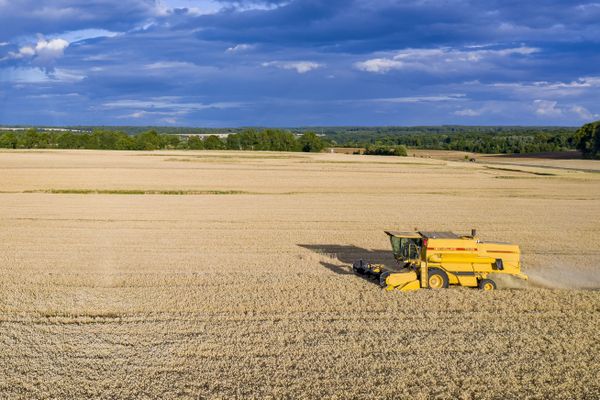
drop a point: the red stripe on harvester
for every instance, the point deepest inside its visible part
(451, 249)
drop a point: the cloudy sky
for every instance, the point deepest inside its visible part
(299, 62)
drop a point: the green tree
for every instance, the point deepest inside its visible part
(400, 151)
(148, 141)
(385, 150)
(276, 140)
(8, 141)
(587, 140)
(233, 142)
(310, 142)
(170, 141)
(195, 143)
(125, 142)
(213, 143)
(105, 140)
(249, 139)
(29, 140)
(67, 140)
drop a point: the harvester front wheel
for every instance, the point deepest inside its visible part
(382, 278)
(487, 284)
(437, 279)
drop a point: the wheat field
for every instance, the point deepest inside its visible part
(226, 275)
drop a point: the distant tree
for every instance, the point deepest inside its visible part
(104, 140)
(125, 142)
(249, 139)
(213, 143)
(310, 142)
(276, 140)
(169, 141)
(195, 143)
(401, 151)
(29, 140)
(8, 141)
(148, 141)
(587, 140)
(233, 142)
(67, 140)
(384, 150)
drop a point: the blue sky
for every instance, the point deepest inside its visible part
(299, 62)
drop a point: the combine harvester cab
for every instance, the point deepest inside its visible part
(436, 260)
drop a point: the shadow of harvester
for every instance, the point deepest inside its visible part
(348, 254)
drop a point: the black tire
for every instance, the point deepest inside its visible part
(441, 276)
(357, 267)
(487, 284)
(382, 278)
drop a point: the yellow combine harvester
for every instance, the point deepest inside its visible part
(436, 260)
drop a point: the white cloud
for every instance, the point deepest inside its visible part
(101, 57)
(587, 8)
(523, 50)
(441, 59)
(379, 65)
(143, 113)
(24, 52)
(239, 48)
(591, 80)
(551, 89)
(165, 7)
(165, 106)
(301, 67)
(52, 95)
(39, 75)
(43, 52)
(468, 112)
(207, 7)
(23, 75)
(421, 99)
(583, 112)
(168, 65)
(179, 67)
(47, 51)
(85, 34)
(550, 108)
(547, 108)
(67, 75)
(137, 114)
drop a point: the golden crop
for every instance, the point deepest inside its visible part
(226, 274)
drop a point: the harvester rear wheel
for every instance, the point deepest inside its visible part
(487, 284)
(437, 279)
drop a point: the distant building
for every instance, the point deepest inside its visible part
(41, 129)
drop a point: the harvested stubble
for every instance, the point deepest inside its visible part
(247, 295)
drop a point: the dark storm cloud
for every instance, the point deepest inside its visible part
(299, 62)
(26, 17)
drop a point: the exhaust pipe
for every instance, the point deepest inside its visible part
(473, 232)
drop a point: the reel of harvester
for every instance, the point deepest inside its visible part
(370, 271)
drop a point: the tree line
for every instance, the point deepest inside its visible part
(100, 139)
(509, 142)
(378, 141)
